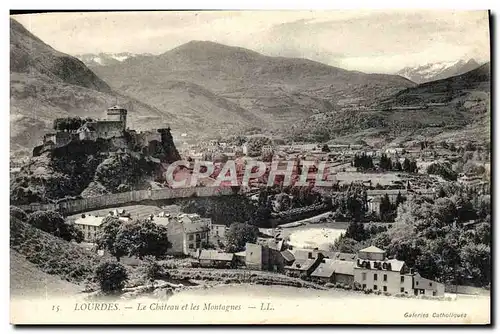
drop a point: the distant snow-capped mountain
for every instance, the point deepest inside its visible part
(438, 70)
(105, 59)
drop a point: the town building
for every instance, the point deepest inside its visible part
(209, 258)
(334, 271)
(304, 267)
(113, 126)
(427, 287)
(218, 234)
(261, 257)
(373, 271)
(187, 234)
(90, 226)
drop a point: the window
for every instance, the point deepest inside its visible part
(310, 255)
(385, 288)
(191, 237)
(363, 276)
(434, 293)
(375, 277)
(385, 278)
(416, 283)
(402, 289)
(402, 279)
(375, 287)
(430, 284)
(191, 246)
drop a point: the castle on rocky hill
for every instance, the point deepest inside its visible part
(112, 127)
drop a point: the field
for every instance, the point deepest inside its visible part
(314, 235)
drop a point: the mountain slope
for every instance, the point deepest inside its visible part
(27, 280)
(437, 71)
(46, 84)
(445, 90)
(277, 90)
(30, 55)
(454, 108)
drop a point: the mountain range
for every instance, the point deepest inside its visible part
(438, 70)
(206, 89)
(456, 109)
(195, 79)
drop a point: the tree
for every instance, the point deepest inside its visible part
(325, 148)
(397, 166)
(106, 237)
(399, 199)
(345, 245)
(385, 162)
(239, 234)
(406, 165)
(255, 144)
(142, 238)
(356, 231)
(413, 166)
(283, 202)
(111, 276)
(70, 123)
(385, 208)
(442, 169)
(150, 269)
(363, 161)
(52, 222)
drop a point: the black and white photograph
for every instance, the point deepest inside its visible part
(250, 167)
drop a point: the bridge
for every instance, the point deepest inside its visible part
(68, 207)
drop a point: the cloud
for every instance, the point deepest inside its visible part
(375, 41)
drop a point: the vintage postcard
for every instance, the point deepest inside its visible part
(250, 167)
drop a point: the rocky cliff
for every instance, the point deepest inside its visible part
(90, 168)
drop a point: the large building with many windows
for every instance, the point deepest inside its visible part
(187, 233)
(374, 271)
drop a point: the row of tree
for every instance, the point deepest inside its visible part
(365, 162)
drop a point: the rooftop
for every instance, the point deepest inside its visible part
(328, 267)
(287, 255)
(195, 227)
(89, 220)
(302, 265)
(372, 249)
(116, 107)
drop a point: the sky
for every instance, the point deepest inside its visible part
(369, 41)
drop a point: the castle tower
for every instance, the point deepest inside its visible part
(118, 111)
